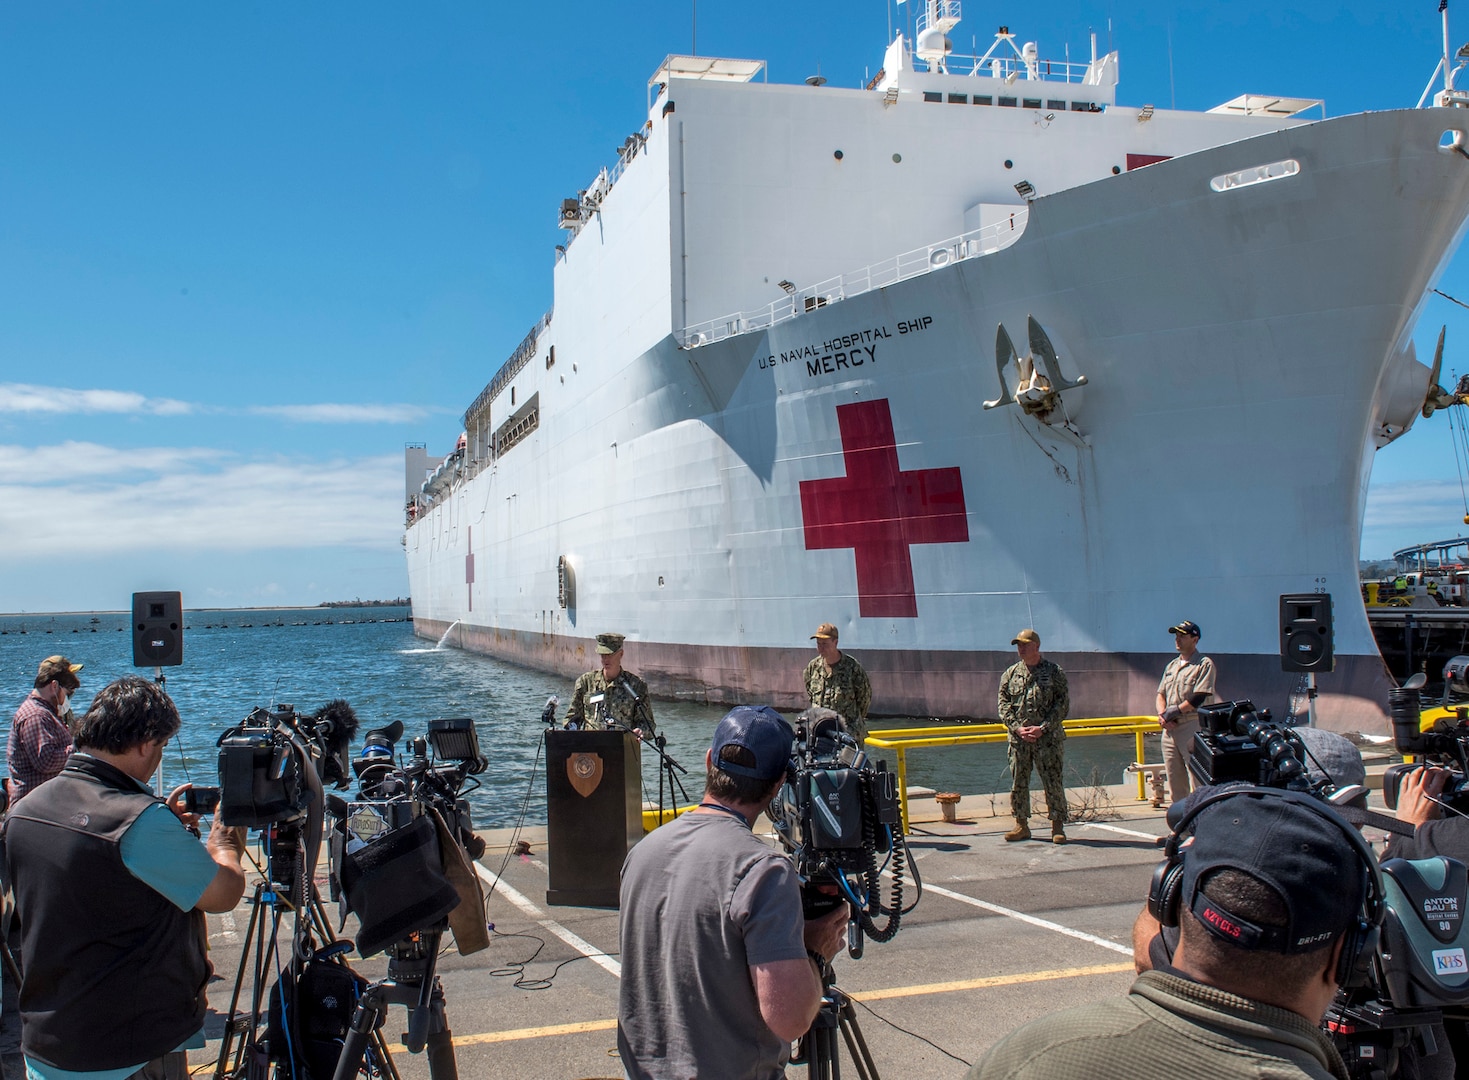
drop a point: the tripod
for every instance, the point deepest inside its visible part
(667, 775)
(818, 1049)
(411, 982)
(251, 1061)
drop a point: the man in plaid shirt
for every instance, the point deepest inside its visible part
(40, 741)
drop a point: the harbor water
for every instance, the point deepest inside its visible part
(235, 660)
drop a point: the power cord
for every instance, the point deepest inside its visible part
(905, 1031)
(530, 787)
(517, 968)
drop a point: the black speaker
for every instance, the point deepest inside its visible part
(1305, 632)
(158, 629)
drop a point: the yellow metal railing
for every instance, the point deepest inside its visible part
(901, 740)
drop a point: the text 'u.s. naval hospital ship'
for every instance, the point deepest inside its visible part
(972, 349)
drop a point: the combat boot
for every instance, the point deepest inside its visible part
(1058, 834)
(1020, 832)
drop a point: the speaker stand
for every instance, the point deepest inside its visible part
(1311, 698)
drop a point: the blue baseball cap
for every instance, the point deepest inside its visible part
(760, 730)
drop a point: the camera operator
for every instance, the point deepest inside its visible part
(1265, 900)
(110, 890)
(720, 970)
(1433, 834)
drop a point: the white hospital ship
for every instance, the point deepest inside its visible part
(971, 349)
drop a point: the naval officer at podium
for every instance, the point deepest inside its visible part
(611, 695)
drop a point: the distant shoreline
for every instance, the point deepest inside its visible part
(331, 605)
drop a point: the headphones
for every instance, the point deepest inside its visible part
(1165, 893)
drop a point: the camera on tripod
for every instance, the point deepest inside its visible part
(272, 765)
(836, 814)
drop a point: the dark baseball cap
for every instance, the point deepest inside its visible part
(760, 730)
(1300, 850)
(1188, 627)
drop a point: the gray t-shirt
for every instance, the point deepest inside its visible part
(702, 900)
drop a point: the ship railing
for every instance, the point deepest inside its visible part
(508, 370)
(944, 11)
(910, 264)
(1016, 69)
(901, 740)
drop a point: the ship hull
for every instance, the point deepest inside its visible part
(1239, 347)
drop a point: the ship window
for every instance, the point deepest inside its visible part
(1032, 103)
(512, 395)
(958, 99)
(1080, 106)
(1259, 174)
(1054, 104)
(984, 99)
(932, 95)
(1008, 102)
(550, 357)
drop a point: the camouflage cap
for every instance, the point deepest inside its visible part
(58, 669)
(1026, 637)
(607, 644)
(824, 631)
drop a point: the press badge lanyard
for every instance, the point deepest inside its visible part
(725, 810)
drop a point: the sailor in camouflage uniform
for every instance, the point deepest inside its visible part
(611, 696)
(834, 680)
(1033, 703)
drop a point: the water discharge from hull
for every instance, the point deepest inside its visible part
(444, 638)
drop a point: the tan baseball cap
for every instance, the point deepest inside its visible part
(824, 631)
(58, 669)
(1026, 637)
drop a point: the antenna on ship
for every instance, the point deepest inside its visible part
(694, 45)
(1448, 71)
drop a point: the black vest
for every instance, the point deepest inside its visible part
(113, 972)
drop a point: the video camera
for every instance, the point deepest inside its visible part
(273, 766)
(390, 846)
(835, 814)
(1235, 743)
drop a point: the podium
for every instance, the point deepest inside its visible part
(594, 813)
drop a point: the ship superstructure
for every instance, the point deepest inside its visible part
(922, 359)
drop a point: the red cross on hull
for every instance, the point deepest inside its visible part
(879, 510)
(469, 565)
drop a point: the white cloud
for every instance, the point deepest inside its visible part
(344, 414)
(70, 462)
(191, 500)
(25, 398)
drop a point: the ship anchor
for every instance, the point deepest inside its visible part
(1038, 393)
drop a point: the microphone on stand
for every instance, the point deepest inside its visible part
(548, 714)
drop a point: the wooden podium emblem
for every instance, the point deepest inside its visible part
(585, 773)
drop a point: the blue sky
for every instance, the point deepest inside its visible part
(247, 251)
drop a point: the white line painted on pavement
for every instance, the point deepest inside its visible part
(520, 900)
(1023, 917)
(1116, 829)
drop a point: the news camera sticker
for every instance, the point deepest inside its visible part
(367, 824)
(1449, 962)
